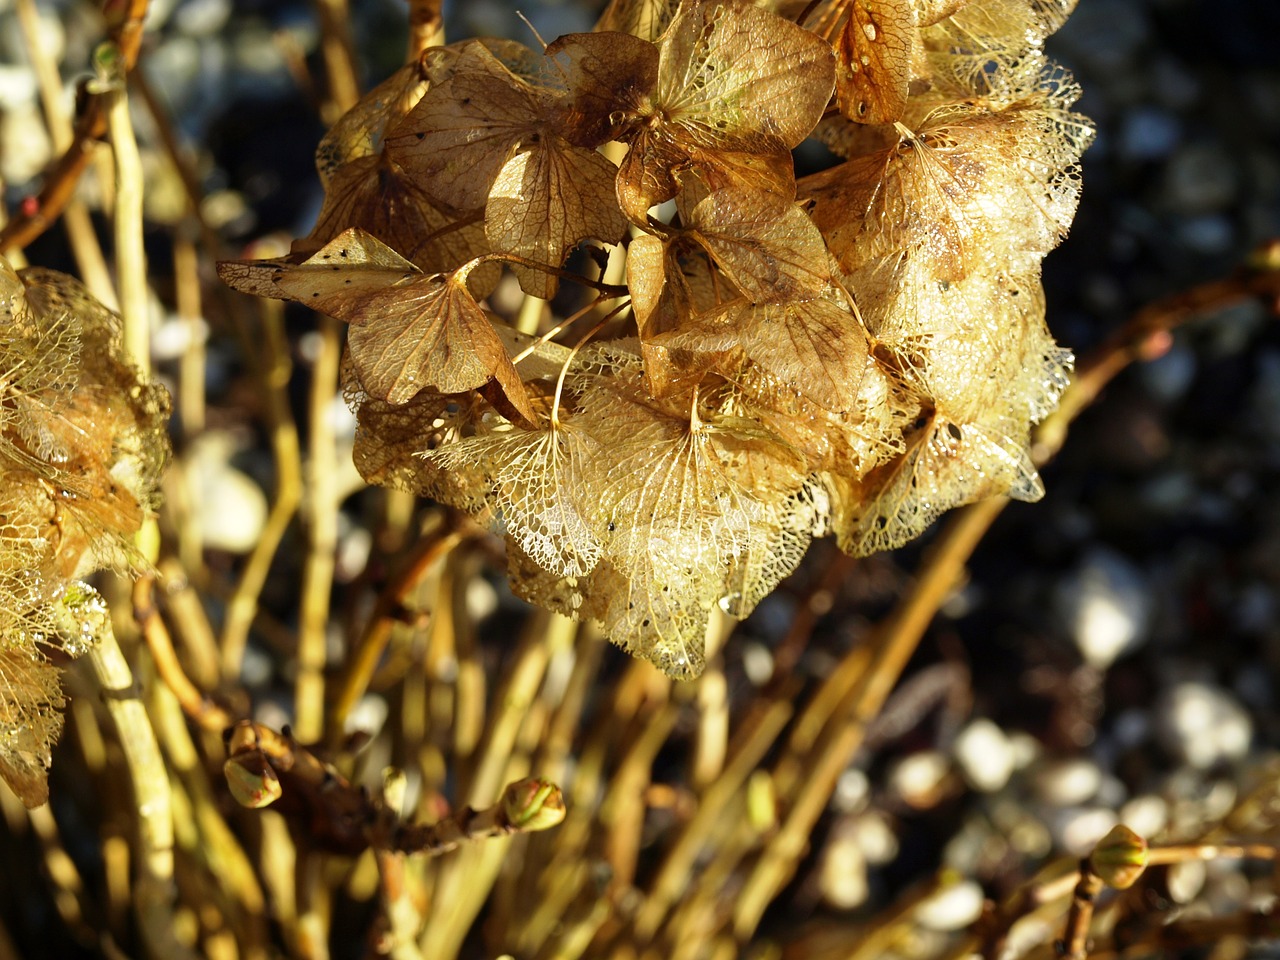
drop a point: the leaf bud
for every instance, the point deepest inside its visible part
(1119, 858)
(254, 785)
(533, 804)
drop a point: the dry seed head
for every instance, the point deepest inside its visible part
(853, 354)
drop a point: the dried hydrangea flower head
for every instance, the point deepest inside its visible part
(758, 359)
(82, 445)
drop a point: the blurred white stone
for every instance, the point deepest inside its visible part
(1067, 782)
(482, 599)
(17, 86)
(1145, 815)
(1026, 749)
(1202, 724)
(1111, 792)
(1131, 727)
(918, 778)
(368, 715)
(256, 667)
(355, 544)
(1148, 133)
(757, 663)
(27, 146)
(874, 834)
(1105, 606)
(52, 37)
(852, 790)
(228, 506)
(1170, 376)
(1079, 830)
(985, 756)
(842, 878)
(175, 335)
(202, 17)
(954, 907)
(1186, 880)
(271, 713)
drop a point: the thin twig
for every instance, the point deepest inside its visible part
(36, 214)
(76, 220)
(205, 713)
(373, 642)
(154, 892)
(274, 373)
(322, 535)
(426, 27)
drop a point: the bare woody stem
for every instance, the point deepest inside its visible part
(35, 216)
(204, 712)
(526, 806)
(156, 889)
(426, 26)
(609, 289)
(340, 817)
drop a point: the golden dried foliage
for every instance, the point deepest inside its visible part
(850, 354)
(82, 444)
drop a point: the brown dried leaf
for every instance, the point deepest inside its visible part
(874, 57)
(374, 194)
(737, 88)
(765, 244)
(667, 290)
(815, 346)
(602, 74)
(352, 265)
(655, 617)
(646, 19)
(454, 142)
(548, 199)
(359, 132)
(538, 480)
(392, 440)
(441, 63)
(796, 521)
(410, 330)
(731, 72)
(429, 332)
(113, 425)
(970, 184)
(981, 48)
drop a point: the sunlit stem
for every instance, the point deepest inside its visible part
(542, 43)
(613, 289)
(564, 369)
(695, 422)
(563, 324)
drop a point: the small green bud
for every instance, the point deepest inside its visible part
(1119, 858)
(533, 804)
(254, 786)
(108, 68)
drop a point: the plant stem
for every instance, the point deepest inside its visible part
(426, 27)
(124, 29)
(322, 540)
(155, 891)
(373, 642)
(274, 377)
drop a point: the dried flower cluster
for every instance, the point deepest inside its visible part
(82, 446)
(760, 359)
